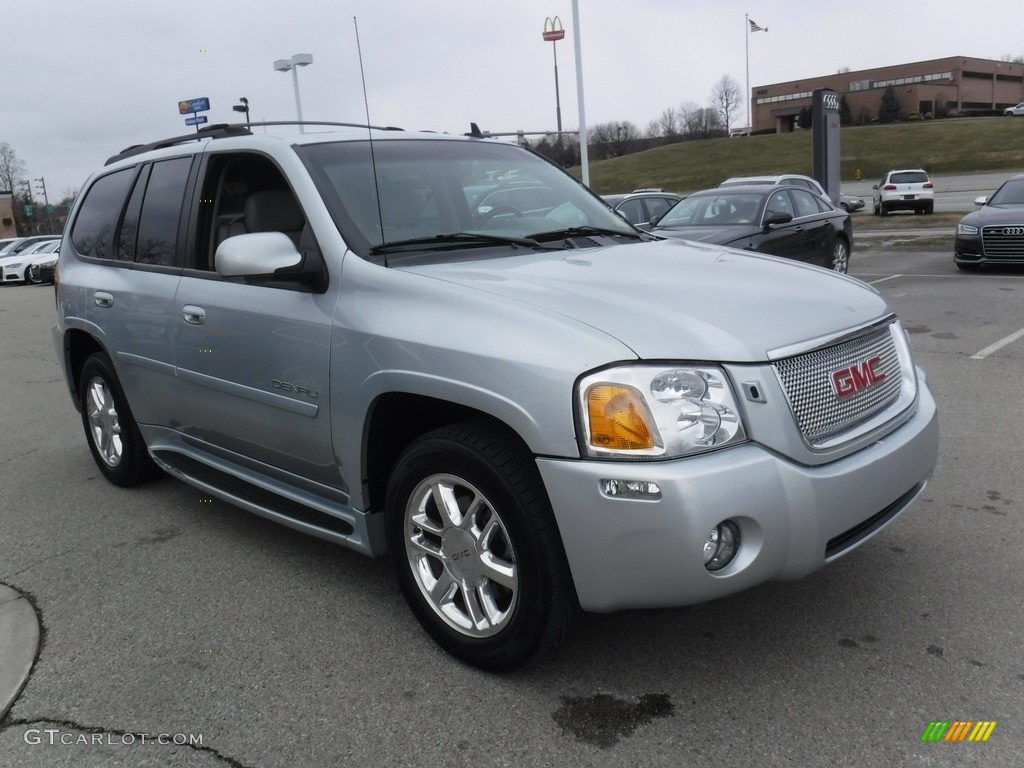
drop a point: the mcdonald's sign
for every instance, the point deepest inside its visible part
(553, 29)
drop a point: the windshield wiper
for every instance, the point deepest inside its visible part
(556, 234)
(455, 239)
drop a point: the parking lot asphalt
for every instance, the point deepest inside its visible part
(160, 613)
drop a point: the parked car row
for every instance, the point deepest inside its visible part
(29, 259)
(786, 215)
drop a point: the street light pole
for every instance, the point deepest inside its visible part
(243, 107)
(292, 65)
(554, 32)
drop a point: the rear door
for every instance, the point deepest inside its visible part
(128, 239)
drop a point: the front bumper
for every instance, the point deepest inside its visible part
(628, 553)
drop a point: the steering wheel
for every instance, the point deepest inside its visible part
(498, 210)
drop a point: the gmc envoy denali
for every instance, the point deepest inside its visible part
(535, 408)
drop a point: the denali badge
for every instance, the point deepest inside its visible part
(858, 377)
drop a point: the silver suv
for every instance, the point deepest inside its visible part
(535, 412)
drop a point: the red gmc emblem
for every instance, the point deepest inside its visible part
(858, 377)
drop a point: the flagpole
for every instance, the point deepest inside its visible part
(750, 121)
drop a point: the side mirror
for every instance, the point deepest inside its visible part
(256, 254)
(655, 219)
(874, 186)
(981, 200)
(776, 219)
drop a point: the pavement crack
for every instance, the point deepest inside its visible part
(46, 560)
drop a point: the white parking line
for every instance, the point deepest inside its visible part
(882, 280)
(998, 345)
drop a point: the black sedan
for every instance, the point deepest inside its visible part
(780, 220)
(993, 234)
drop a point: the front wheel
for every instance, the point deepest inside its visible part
(476, 548)
(114, 437)
(29, 280)
(841, 257)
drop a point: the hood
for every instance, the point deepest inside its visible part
(677, 300)
(721, 235)
(996, 214)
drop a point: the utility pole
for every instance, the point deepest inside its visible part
(46, 202)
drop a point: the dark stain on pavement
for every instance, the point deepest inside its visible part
(945, 335)
(159, 536)
(603, 719)
(917, 329)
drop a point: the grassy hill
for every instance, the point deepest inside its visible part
(963, 145)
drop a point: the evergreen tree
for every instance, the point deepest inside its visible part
(889, 109)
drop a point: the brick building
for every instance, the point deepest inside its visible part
(7, 215)
(939, 87)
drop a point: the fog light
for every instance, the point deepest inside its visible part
(630, 489)
(721, 546)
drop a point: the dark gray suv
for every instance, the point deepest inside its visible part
(536, 412)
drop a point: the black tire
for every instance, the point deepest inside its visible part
(529, 607)
(110, 429)
(882, 210)
(929, 208)
(28, 278)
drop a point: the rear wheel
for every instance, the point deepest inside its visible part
(114, 437)
(476, 548)
(929, 208)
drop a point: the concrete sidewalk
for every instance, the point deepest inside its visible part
(19, 644)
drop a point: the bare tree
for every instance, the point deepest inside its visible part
(703, 123)
(12, 169)
(686, 116)
(612, 139)
(668, 122)
(726, 99)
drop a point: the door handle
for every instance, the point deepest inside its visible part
(103, 299)
(193, 315)
(798, 229)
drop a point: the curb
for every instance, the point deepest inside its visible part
(19, 644)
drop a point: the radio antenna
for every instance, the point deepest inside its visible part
(369, 135)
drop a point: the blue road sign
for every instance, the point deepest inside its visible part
(198, 120)
(194, 105)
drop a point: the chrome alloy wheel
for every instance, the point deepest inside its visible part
(104, 423)
(461, 556)
(840, 257)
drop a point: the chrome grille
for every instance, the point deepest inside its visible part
(1003, 241)
(821, 414)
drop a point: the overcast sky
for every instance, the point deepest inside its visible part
(81, 81)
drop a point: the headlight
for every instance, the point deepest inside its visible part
(648, 411)
(966, 229)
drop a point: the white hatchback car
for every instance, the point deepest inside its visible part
(907, 190)
(1017, 110)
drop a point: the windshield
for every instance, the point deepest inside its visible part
(434, 193)
(713, 210)
(1011, 193)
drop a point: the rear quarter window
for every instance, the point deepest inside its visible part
(92, 234)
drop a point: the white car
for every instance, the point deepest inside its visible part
(39, 267)
(13, 266)
(1017, 110)
(906, 190)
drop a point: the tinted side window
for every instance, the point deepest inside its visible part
(805, 205)
(93, 232)
(130, 223)
(157, 241)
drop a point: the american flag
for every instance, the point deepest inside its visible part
(755, 28)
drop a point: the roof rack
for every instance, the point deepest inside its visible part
(224, 130)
